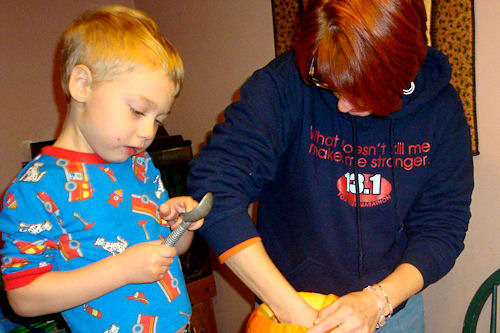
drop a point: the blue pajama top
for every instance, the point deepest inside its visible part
(66, 210)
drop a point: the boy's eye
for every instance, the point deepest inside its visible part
(137, 112)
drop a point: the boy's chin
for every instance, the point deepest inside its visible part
(115, 159)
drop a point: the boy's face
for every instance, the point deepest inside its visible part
(120, 117)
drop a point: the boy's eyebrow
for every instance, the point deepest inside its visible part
(144, 99)
(150, 104)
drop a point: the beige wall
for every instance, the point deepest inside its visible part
(222, 42)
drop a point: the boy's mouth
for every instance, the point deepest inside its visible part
(131, 150)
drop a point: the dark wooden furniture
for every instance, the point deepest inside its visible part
(171, 155)
(200, 293)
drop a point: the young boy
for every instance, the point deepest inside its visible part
(83, 222)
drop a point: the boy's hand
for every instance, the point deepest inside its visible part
(171, 211)
(146, 262)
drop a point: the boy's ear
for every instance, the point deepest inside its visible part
(80, 81)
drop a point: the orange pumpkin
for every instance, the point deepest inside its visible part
(262, 318)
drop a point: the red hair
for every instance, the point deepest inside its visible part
(367, 51)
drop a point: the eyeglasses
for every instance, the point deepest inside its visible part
(313, 79)
(318, 83)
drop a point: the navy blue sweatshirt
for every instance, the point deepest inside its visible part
(285, 145)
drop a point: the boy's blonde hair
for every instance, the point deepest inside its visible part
(113, 40)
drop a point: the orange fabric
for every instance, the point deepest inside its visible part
(23, 278)
(235, 249)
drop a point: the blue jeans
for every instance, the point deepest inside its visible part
(408, 320)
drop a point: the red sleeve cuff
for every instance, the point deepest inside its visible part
(24, 277)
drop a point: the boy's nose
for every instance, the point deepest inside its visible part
(147, 130)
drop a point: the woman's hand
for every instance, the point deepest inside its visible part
(146, 262)
(355, 312)
(359, 311)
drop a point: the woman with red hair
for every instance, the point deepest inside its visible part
(367, 52)
(356, 147)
